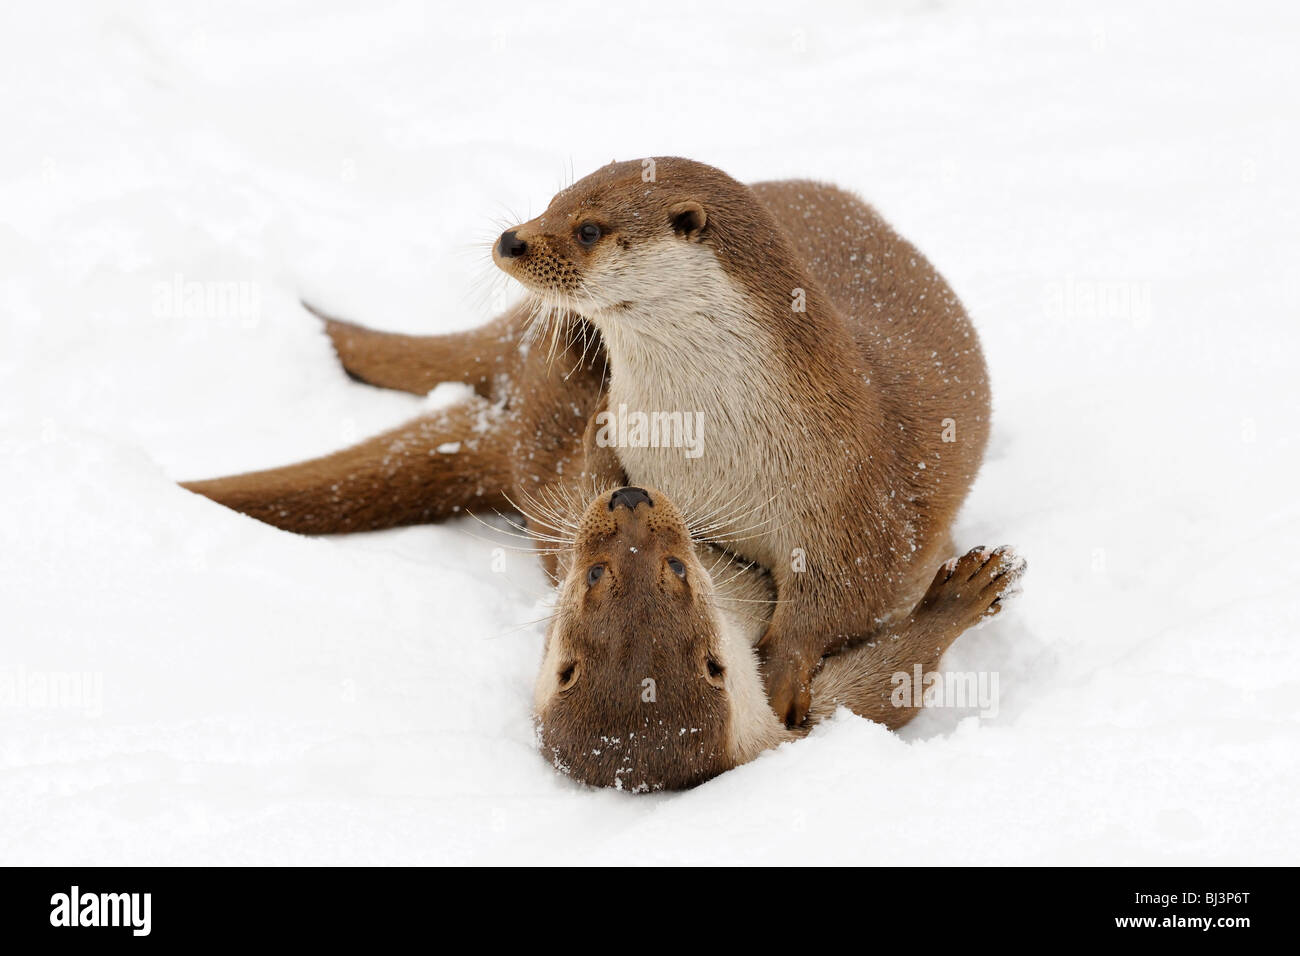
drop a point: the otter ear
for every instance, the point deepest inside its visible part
(687, 219)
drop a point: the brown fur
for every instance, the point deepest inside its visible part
(599, 720)
(649, 681)
(521, 432)
(841, 410)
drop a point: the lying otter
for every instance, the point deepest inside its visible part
(650, 679)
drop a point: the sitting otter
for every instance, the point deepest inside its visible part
(841, 385)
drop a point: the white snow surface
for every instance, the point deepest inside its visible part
(1110, 187)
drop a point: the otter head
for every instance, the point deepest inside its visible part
(633, 689)
(635, 237)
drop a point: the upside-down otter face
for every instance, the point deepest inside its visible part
(630, 235)
(632, 692)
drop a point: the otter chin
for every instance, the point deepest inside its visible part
(650, 678)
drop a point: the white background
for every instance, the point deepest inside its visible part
(1110, 187)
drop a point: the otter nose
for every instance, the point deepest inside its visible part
(510, 246)
(629, 498)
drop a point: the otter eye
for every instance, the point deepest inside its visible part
(677, 567)
(715, 669)
(566, 676)
(594, 573)
(588, 233)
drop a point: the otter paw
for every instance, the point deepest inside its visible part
(789, 688)
(973, 587)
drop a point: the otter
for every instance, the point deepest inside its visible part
(649, 678)
(842, 388)
(842, 384)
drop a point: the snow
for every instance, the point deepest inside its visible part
(1111, 191)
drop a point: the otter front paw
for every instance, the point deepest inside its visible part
(788, 677)
(972, 588)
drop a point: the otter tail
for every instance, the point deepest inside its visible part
(417, 363)
(422, 471)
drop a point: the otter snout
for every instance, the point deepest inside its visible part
(629, 498)
(638, 536)
(510, 246)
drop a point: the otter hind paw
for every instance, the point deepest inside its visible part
(975, 586)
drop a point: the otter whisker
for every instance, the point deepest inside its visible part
(730, 539)
(740, 569)
(727, 535)
(535, 535)
(539, 514)
(732, 518)
(737, 600)
(526, 534)
(588, 334)
(722, 558)
(557, 522)
(515, 548)
(526, 625)
(565, 532)
(561, 510)
(701, 521)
